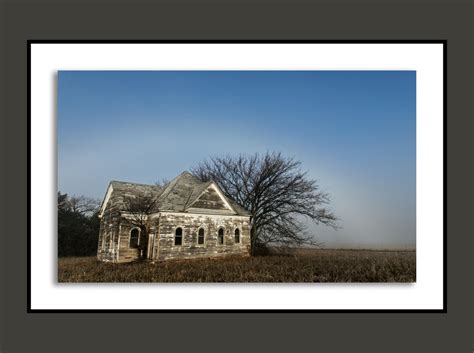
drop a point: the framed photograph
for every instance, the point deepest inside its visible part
(236, 176)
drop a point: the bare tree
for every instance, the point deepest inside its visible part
(83, 205)
(78, 225)
(162, 183)
(138, 209)
(275, 191)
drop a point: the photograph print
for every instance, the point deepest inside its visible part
(236, 176)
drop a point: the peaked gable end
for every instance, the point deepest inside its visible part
(106, 199)
(212, 199)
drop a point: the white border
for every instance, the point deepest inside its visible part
(426, 59)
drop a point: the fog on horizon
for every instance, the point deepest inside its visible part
(353, 131)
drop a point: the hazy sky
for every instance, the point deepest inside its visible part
(353, 131)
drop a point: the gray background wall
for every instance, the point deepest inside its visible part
(22, 332)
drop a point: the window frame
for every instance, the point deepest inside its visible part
(223, 236)
(130, 237)
(203, 236)
(239, 235)
(182, 236)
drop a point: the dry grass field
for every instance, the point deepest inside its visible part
(302, 265)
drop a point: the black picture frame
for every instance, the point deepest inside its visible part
(450, 331)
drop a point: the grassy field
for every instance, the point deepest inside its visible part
(303, 265)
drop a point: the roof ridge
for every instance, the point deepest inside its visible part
(133, 183)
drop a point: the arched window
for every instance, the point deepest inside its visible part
(237, 235)
(178, 236)
(134, 235)
(220, 237)
(201, 236)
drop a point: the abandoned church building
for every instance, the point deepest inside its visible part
(190, 219)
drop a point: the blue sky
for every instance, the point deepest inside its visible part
(353, 131)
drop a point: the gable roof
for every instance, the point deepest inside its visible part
(179, 194)
(131, 189)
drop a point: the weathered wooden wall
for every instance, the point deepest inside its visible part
(125, 253)
(109, 234)
(114, 237)
(164, 247)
